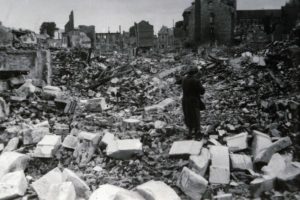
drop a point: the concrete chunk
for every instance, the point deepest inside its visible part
(13, 185)
(219, 175)
(61, 129)
(219, 156)
(12, 161)
(266, 154)
(47, 146)
(107, 139)
(237, 142)
(12, 144)
(34, 136)
(260, 142)
(106, 192)
(188, 147)
(81, 188)
(276, 165)
(157, 190)
(92, 137)
(70, 142)
(239, 161)
(41, 186)
(260, 185)
(200, 163)
(62, 191)
(289, 179)
(192, 184)
(124, 149)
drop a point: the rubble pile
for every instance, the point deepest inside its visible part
(112, 128)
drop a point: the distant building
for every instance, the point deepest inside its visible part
(209, 21)
(290, 14)
(90, 31)
(109, 42)
(166, 38)
(6, 36)
(142, 35)
(70, 24)
(79, 39)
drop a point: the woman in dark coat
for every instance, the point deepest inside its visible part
(191, 101)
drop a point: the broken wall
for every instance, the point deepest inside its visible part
(36, 63)
(224, 16)
(6, 36)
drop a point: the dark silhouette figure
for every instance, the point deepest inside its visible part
(191, 102)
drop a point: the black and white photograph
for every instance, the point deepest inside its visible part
(149, 99)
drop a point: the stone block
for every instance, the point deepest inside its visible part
(108, 138)
(265, 155)
(13, 185)
(97, 105)
(81, 188)
(239, 161)
(260, 185)
(41, 186)
(91, 137)
(220, 156)
(238, 142)
(62, 191)
(52, 92)
(70, 142)
(124, 149)
(26, 89)
(35, 135)
(219, 175)
(192, 184)
(12, 144)
(260, 142)
(188, 147)
(61, 129)
(130, 124)
(106, 192)
(200, 163)
(47, 146)
(276, 165)
(12, 161)
(157, 190)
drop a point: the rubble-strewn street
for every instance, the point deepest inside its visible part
(124, 126)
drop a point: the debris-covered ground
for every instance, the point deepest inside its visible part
(118, 120)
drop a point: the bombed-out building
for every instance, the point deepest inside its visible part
(108, 42)
(165, 38)
(209, 21)
(142, 35)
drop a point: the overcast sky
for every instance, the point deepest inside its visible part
(30, 14)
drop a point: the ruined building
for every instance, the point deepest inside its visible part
(209, 21)
(109, 42)
(70, 24)
(90, 31)
(142, 35)
(165, 38)
(290, 14)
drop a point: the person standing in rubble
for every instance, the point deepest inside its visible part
(191, 102)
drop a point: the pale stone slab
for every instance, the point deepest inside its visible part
(188, 147)
(62, 191)
(12, 161)
(239, 161)
(192, 184)
(157, 190)
(200, 163)
(124, 149)
(238, 142)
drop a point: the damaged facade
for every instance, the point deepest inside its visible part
(142, 35)
(166, 38)
(209, 21)
(109, 42)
